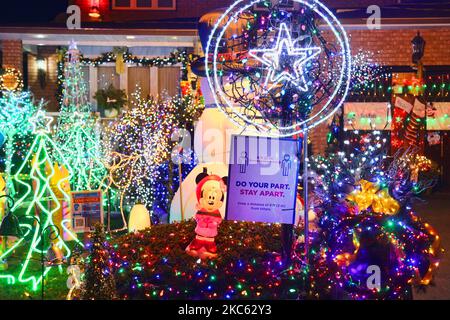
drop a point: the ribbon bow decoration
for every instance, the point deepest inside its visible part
(370, 195)
(120, 59)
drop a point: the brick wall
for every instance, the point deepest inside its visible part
(392, 47)
(49, 91)
(318, 138)
(12, 54)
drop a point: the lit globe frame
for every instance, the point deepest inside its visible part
(327, 110)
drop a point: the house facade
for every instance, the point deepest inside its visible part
(151, 28)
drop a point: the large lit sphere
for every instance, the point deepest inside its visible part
(286, 71)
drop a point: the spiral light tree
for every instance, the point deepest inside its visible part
(77, 133)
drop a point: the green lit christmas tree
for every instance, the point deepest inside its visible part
(39, 203)
(78, 133)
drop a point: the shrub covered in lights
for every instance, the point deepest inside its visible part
(154, 265)
(366, 219)
(363, 201)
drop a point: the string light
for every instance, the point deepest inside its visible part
(11, 79)
(176, 57)
(238, 85)
(16, 108)
(139, 146)
(39, 162)
(350, 216)
(77, 132)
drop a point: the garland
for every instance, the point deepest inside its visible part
(174, 58)
(124, 57)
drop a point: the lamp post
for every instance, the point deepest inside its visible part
(418, 48)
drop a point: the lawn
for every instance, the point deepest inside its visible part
(54, 286)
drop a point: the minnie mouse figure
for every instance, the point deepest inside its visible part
(210, 194)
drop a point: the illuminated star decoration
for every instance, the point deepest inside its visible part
(285, 62)
(40, 122)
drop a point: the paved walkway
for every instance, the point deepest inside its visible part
(436, 211)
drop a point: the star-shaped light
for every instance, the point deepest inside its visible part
(285, 61)
(40, 122)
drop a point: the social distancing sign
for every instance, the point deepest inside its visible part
(262, 181)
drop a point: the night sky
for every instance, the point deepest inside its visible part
(31, 11)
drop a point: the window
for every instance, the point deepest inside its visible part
(106, 75)
(139, 77)
(144, 4)
(169, 80)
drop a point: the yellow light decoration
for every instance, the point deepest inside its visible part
(11, 80)
(61, 178)
(370, 195)
(364, 197)
(384, 203)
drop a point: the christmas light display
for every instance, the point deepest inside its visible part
(77, 132)
(139, 149)
(83, 152)
(364, 217)
(75, 96)
(364, 200)
(11, 79)
(153, 264)
(40, 203)
(136, 145)
(125, 57)
(183, 112)
(245, 71)
(436, 88)
(16, 108)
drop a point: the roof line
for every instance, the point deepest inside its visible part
(93, 31)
